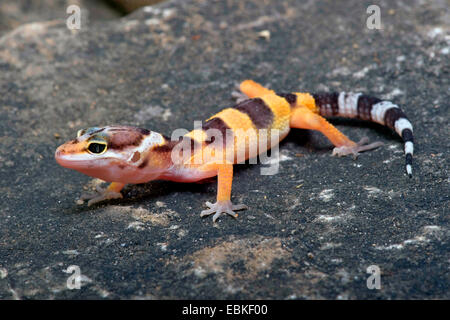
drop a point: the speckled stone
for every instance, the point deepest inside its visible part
(311, 230)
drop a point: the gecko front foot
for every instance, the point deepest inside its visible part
(101, 195)
(356, 149)
(222, 208)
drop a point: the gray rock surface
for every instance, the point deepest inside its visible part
(312, 230)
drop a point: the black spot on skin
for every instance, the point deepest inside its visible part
(136, 156)
(322, 99)
(258, 111)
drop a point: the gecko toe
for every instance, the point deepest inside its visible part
(239, 96)
(355, 149)
(107, 195)
(238, 207)
(222, 208)
(207, 212)
(100, 195)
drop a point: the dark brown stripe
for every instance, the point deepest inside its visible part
(96, 131)
(408, 159)
(118, 141)
(169, 145)
(121, 129)
(193, 144)
(127, 128)
(143, 131)
(322, 99)
(364, 108)
(258, 111)
(120, 146)
(217, 124)
(393, 115)
(165, 147)
(92, 130)
(290, 98)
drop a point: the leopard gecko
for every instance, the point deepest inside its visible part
(123, 154)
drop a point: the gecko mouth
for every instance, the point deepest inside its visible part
(81, 161)
(70, 160)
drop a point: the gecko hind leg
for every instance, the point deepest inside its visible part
(102, 194)
(304, 118)
(356, 148)
(222, 208)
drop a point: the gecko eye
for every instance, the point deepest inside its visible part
(97, 147)
(81, 132)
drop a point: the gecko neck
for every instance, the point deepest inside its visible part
(177, 155)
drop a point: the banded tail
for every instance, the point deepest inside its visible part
(364, 107)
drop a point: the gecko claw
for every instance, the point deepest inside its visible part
(356, 149)
(100, 195)
(238, 96)
(222, 208)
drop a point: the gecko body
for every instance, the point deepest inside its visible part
(122, 154)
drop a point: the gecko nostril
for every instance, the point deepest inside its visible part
(59, 152)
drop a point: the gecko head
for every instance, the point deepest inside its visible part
(113, 153)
